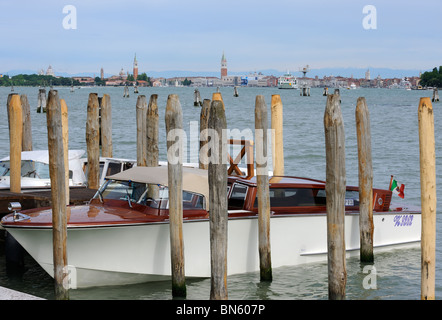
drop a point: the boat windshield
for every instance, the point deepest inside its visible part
(152, 195)
(29, 168)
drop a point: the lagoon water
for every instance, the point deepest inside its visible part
(395, 151)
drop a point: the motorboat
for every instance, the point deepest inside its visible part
(122, 236)
(35, 170)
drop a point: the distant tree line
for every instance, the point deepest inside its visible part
(143, 77)
(432, 79)
(34, 80)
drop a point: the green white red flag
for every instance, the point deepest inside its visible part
(397, 188)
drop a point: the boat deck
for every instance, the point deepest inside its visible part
(38, 199)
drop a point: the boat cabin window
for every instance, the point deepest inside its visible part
(305, 197)
(152, 195)
(29, 169)
(237, 196)
(112, 168)
(295, 197)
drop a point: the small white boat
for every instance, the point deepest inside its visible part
(35, 170)
(122, 236)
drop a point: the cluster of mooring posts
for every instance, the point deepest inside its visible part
(213, 117)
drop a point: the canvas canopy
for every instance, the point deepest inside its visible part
(194, 179)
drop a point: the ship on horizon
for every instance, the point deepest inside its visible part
(287, 81)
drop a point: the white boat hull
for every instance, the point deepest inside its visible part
(140, 253)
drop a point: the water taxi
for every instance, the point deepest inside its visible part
(122, 236)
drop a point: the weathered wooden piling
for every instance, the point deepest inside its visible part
(106, 126)
(41, 101)
(152, 124)
(141, 113)
(435, 95)
(174, 130)
(197, 98)
(366, 227)
(15, 141)
(27, 127)
(204, 123)
(235, 91)
(335, 193)
(93, 142)
(58, 185)
(262, 182)
(217, 174)
(304, 91)
(428, 198)
(277, 135)
(65, 130)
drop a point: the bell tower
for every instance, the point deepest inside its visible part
(223, 66)
(135, 67)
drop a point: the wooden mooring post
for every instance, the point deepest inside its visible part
(152, 126)
(435, 95)
(27, 127)
(277, 135)
(106, 126)
(428, 198)
(41, 101)
(65, 130)
(217, 172)
(197, 98)
(262, 182)
(93, 142)
(152, 133)
(366, 227)
(141, 115)
(204, 123)
(59, 201)
(335, 193)
(174, 130)
(15, 141)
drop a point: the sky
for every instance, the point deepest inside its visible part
(192, 35)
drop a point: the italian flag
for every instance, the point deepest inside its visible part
(397, 188)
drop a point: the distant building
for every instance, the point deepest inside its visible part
(367, 75)
(84, 80)
(50, 72)
(223, 67)
(122, 74)
(102, 74)
(135, 67)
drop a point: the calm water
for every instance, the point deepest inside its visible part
(395, 148)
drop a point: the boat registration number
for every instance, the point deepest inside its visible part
(405, 220)
(349, 202)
